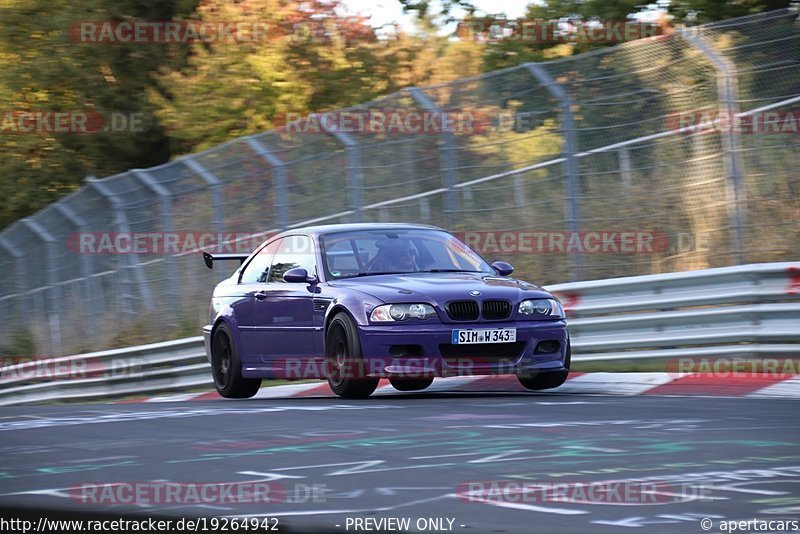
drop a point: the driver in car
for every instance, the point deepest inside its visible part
(395, 255)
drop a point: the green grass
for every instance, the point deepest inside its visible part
(624, 366)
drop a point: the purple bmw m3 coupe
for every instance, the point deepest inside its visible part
(352, 303)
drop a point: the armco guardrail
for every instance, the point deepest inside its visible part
(749, 310)
(732, 311)
(167, 366)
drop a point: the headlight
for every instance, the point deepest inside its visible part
(541, 308)
(401, 312)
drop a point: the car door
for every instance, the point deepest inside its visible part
(251, 281)
(284, 311)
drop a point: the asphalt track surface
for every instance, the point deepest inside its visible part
(415, 456)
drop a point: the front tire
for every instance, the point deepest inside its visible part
(548, 379)
(227, 368)
(410, 384)
(345, 363)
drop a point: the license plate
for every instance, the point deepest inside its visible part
(484, 335)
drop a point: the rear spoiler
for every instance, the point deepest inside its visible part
(209, 258)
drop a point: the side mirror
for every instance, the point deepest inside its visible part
(298, 275)
(502, 268)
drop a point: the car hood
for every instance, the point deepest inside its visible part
(439, 288)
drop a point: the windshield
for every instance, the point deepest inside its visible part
(372, 252)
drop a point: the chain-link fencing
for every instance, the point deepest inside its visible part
(664, 154)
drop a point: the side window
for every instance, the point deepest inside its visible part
(294, 251)
(258, 269)
(341, 257)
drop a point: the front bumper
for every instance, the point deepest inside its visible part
(427, 350)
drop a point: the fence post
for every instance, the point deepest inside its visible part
(85, 260)
(728, 92)
(425, 209)
(572, 209)
(625, 167)
(279, 172)
(216, 193)
(355, 176)
(167, 225)
(20, 267)
(54, 307)
(126, 260)
(519, 191)
(447, 165)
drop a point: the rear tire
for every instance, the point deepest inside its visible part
(548, 379)
(347, 375)
(410, 384)
(227, 368)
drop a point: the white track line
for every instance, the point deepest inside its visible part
(590, 383)
(616, 383)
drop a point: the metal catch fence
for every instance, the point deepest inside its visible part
(618, 162)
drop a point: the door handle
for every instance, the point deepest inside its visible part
(260, 295)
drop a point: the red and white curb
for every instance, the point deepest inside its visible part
(727, 385)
